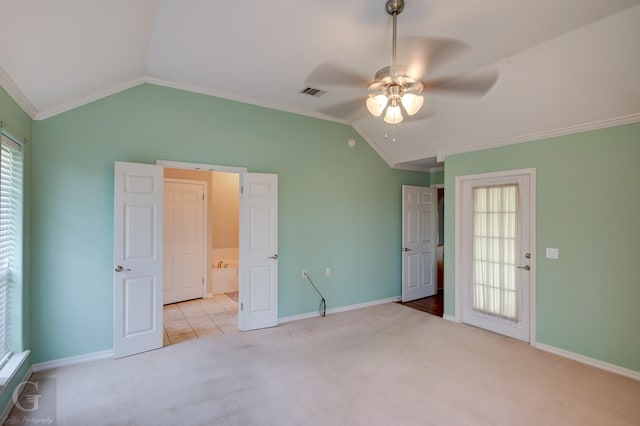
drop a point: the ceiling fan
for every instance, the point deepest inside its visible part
(397, 90)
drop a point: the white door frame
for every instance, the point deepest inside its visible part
(241, 171)
(205, 212)
(459, 241)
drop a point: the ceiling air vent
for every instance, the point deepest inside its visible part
(313, 92)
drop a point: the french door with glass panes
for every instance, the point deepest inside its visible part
(495, 235)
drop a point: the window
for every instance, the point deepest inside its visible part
(494, 251)
(10, 235)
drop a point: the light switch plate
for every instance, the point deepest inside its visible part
(552, 253)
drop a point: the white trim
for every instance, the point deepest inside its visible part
(308, 315)
(11, 403)
(10, 368)
(7, 83)
(83, 100)
(229, 96)
(450, 318)
(457, 252)
(73, 360)
(200, 166)
(633, 374)
(533, 197)
(545, 134)
(436, 169)
(458, 238)
(364, 135)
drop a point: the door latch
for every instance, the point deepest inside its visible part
(119, 268)
(525, 267)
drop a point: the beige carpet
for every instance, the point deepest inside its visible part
(385, 365)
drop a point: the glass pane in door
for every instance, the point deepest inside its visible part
(494, 289)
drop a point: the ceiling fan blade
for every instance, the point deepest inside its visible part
(476, 84)
(425, 112)
(350, 111)
(330, 74)
(424, 54)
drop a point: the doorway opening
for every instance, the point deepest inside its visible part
(138, 252)
(434, 304)
(201, 253)
(495, 252)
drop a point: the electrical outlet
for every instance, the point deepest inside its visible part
(327, 272)
(552, 253)
(304, 274)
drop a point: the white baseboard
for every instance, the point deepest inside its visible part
(7, 410)
(337, 310)
(72, 360)
(448, 317)
(590, 361)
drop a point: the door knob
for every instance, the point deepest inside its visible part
(274, 257)
(119, 268)
(406, 249)
(525, 267)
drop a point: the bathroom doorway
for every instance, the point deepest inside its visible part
(138, 260)
(214, 309)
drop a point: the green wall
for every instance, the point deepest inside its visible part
(587, 206)
(338, 207)
(17, 124)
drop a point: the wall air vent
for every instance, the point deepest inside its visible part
(313, 92)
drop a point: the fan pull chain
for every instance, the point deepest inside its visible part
(393, 132)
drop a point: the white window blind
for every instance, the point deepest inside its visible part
(494, 251)
(10, 232)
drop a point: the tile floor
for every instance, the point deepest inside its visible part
(199, 318)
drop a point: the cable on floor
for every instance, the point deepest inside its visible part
(322, 309)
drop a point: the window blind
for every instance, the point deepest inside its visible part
(10, 232)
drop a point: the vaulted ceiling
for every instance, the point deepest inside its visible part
(563, 65)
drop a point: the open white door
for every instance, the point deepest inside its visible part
(258, 252)
(418, 242)
(138, 261)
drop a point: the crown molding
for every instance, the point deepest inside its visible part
(563, 131)
(7, 83)
(373, 145)
(231, 97)
(74, 103)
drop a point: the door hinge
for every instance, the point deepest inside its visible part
(241, 306)
(202, 197)
(203, 281)
(242, 189)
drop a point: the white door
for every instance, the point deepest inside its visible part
(184, 240)
(496, 252)
(137, 258)
(418, 242)
(258, 252)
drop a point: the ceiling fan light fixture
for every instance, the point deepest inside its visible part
(394, 114)
(412, 103)
(377, 104)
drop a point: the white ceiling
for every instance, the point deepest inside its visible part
(564, 65)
